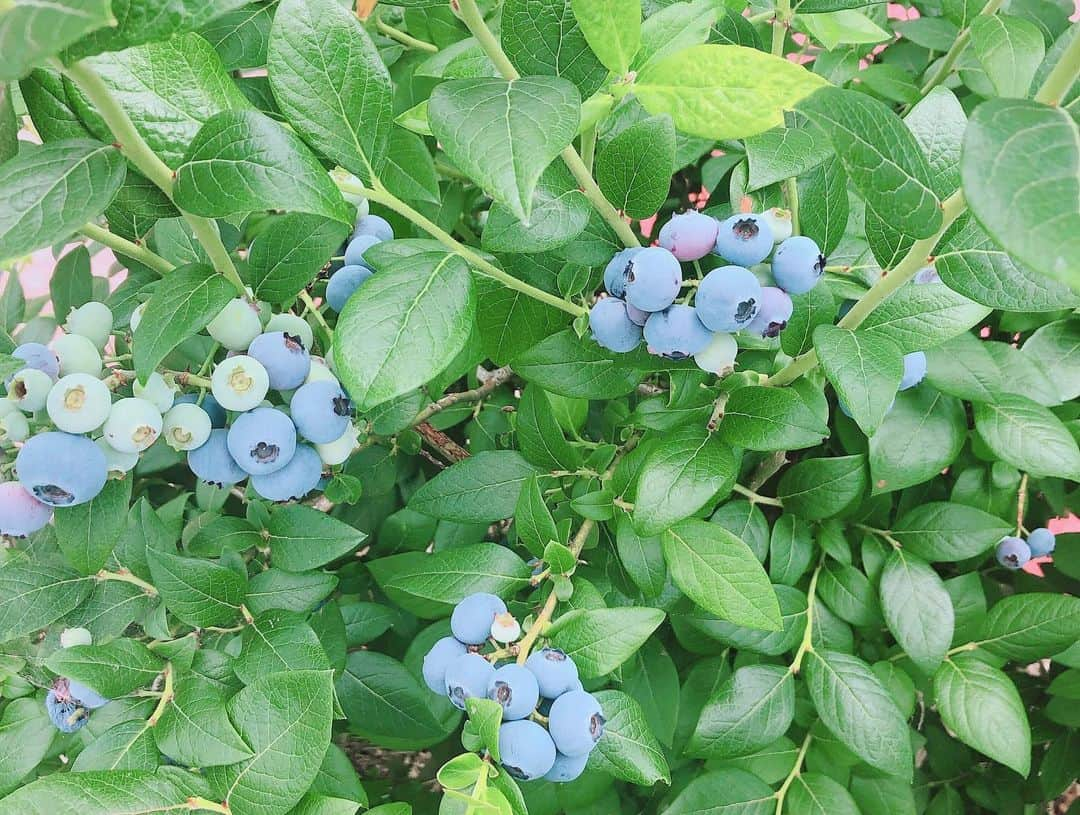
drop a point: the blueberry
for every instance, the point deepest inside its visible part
(689, 235)
(77, 355)
(927, 274)
(157, 391)
(61, 469)
(779, 221)
(321, 411)
(29, 389)
(505, 628)
(20, 512)
(66, 716)
(295, 480)
(285, 358)
(616, 270)
(744, 239)
(292, 324)
(136, 317)
(85, 696)
(213, 463)
(354, 252)
(612, 327)
(526, 750)
(467, 678)
(1013, 553)
(216, 412)
(133, 425)
(576, 722)
(337, 451)
(514, 688)
(473, 616)
(676, 332)
(914, 369)
(653, 279)
(375, 226)
(344, 282)
(437, 660)
(555, 672)
(70, 637)
(116, 461)
(636, 315)
(719, 355)
(236, 325)
(240, 382)
(1041, 542)
(262, 441)
(79, 403)
(13, 426)
(566, 768)
(36, 355)
(773, 314)
(92, 320)
(798, 265)
(728, 298)
(186, 427)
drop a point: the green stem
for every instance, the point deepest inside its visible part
(907, 268)
(795, 771)
(125, 247)
(791, 193)
(405, 39)
(1062, 76)
(588, 147)
(198, 804)
(167, 695)
(807, 643)
(754, 498)
(310, 307)
(780, 26)
(127, 577)
(949, 60)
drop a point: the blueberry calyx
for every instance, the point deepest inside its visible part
(745, 229)
(746, 310)
(263, 452)
(53, 494)
(343, 406)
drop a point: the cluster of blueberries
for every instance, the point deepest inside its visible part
(69, 703)
(1013, 552)
(545, 689)
(370, 230)
(644, 283)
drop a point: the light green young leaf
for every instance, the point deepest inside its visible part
(31, 31)
(612, 29)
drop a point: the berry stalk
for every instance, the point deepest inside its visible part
(1062, 77)
(125, 247)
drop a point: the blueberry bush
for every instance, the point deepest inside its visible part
(522, 407)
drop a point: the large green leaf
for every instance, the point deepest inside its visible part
(729, 791)
(1028, 436)
(106, 792)
(784, 152)
(749, 711)
(560, 212)
(25, 736)
(33, 595)
(277, 642)
(818, 794)
(940, 531)
(1056, 347)
(922, 435)
(565, 364)
(761, 418)
(546, 39)
(600, 640)
(197, 591)
(1027, 627)
(88, 532)
(917, 609)
(31, 31)
(920, 317)
(819, 488)
(628, 748)
(1010, 50)
(634, 168)
(612, 29)
(538, 433)
(482, 488)
(50, 108)
(864, 368)
(302, 538)
(112, 669)
(195, 729)
(285, 258)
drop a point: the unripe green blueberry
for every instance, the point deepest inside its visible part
(236, 325)
(337, 452)
(136, 317)
(719, 356)
(14, 427)
(186, 426)
(70, 637)
(115, 461)
(320, 372)
(240, 383)
(92, 320)
(157, 391)
(350, 187)
(779, 220)
(77, 355)
(29, 389)
(291, 324)
(133, 425)
(79, 403)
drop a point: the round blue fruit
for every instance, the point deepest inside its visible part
(262, 441)
(467, 677)
(555, 672)
(1013, 553)
(473, 616)
(689, 235)
(774, 311)
(375, 226)
(576, 722)
(914, 370)
(612, 327)
(344, 282)
(515, 689)
(526, 750)
(213, 463)
(616, 270)
(321, 411)
(798, 264)
(438, 659)
(20, 512)
(567, 768)
(1041, 542)
(66, 716)
(744, 239)
(676, 332)
(86, 696)
(295, 480)
(728, 299)
(61, 469)
(354, 252)
(38, 356)
(215, 411)
(285, 358)
(636, 315)
(653, 279)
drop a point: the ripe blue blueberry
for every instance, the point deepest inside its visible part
(213, 463)
(375, 226)
(774, 311)
(566, 768)
(354, 252)
(612, 327)
(576, 722)
(467, 678)
(514, 688)
(914, 369)
(555, 672)
(744, 239)
(526, 750)
(295, 480)
(66, 716)
(20, 512)
(1013, 553)
(38, 356)
(676, 332)
(216, 412)
(798, 265)
(291, 324)
(285, 358)
(61, 469)
(636, 315)
(262, 441)
(133, 425)
(321, 411)
(344, 282)
(86, 696)
(653, 279)
(1041, 542)
(473, 616)
(437, 660)
(689, 235)
(616, 270)
(728, 298)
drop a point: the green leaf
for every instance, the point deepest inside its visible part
(195, 729)
(817, 794)
(634, 168)
(922, 435)
(330, 83)
(545, 39)
(819, 488)
(855, 706)
(600, 640)
(482, 488)
(410, 170)
(539, 435)
(864, 368)
(848, 593)
(278, 642)
(834, 28)
(1022, 199)
(761, 418)
(197, 591)
(642, 557)
(747, 522)
(612, 29)
(1010, 50)
(31, 31)
(112, 669)
(569, 366)
(240, 37)
(242, 161)
(784, 152)
(486, 716)
(981, 706)
(1056, 347)
(920, 317)
(303, 538)
(817, 306)
(285, 718)
(940, 531)
(719, 572)
(488, 129)
(1028, 436)
(628, 750)
(71, 284)
(532, 519)
(1027, 627)
(560, 212)
(88, 532)
(917, 609)
(729, 791)
(284, 259)
(52, 190)
(125, 746)
(33, 595)
(677, 26)
(106, 792)
(49, 107)
(881, 157)
(680, 476)
(723, 91)
(749, 711)
(770, 643)
(25, 737)
(402, 326)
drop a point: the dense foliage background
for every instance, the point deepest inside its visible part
(783, 608)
